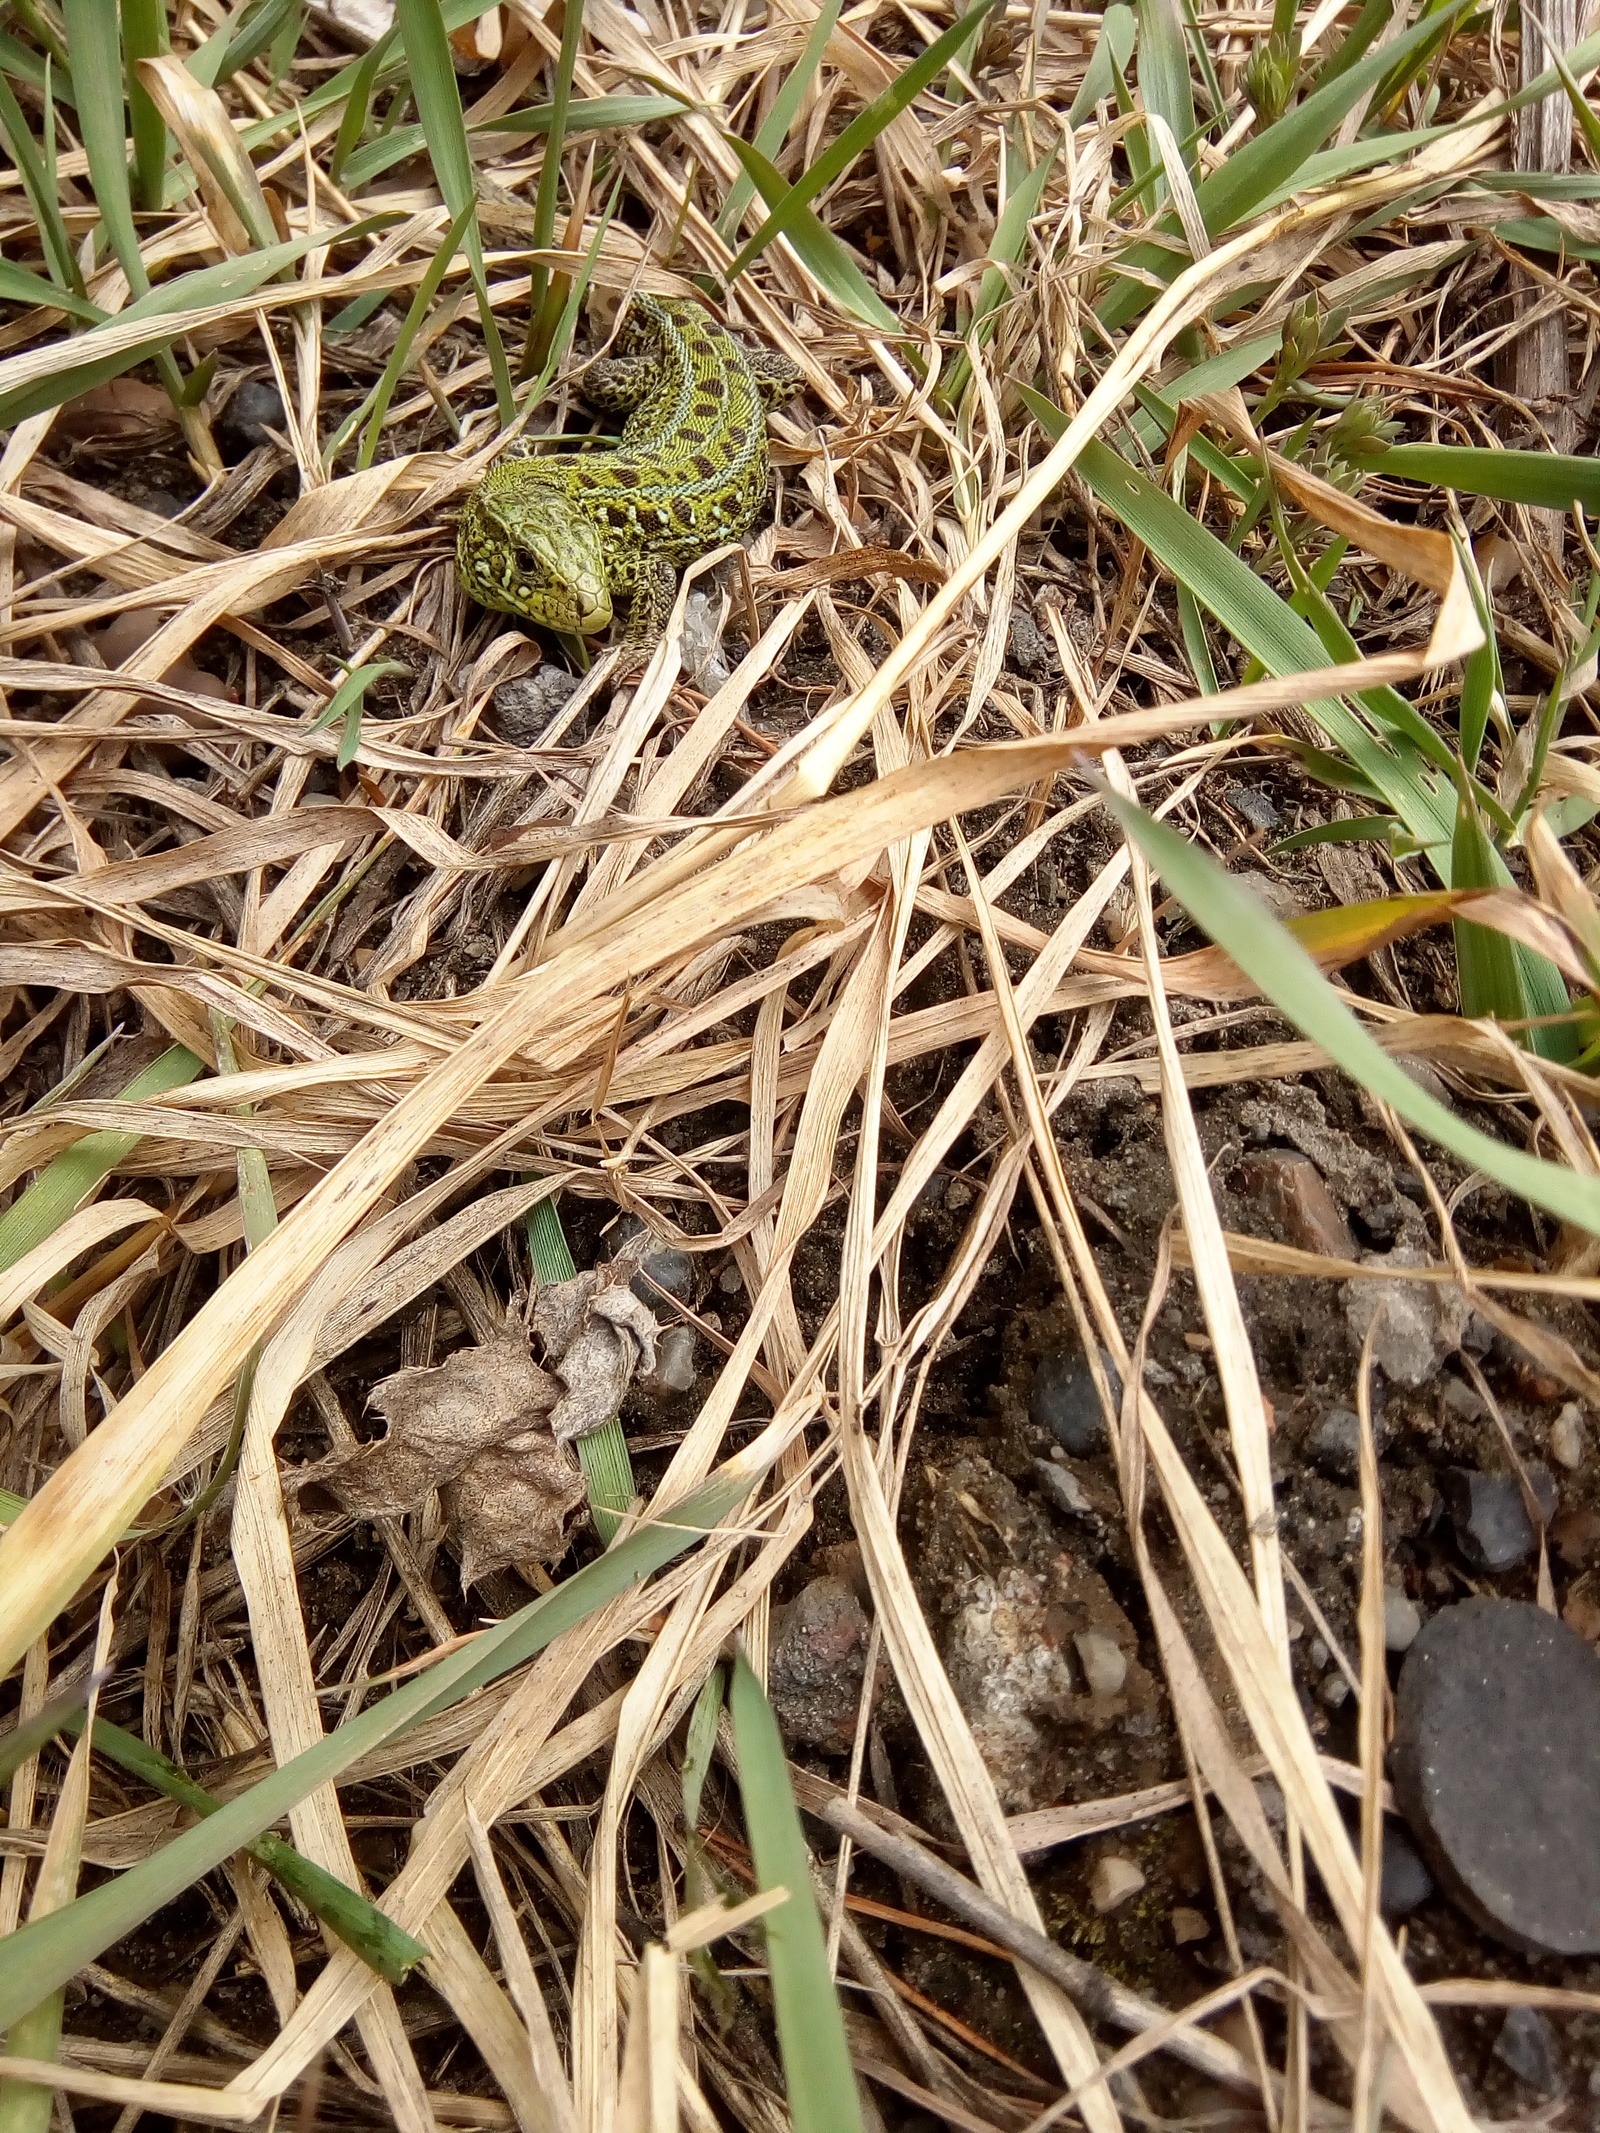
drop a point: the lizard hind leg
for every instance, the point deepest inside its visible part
(619, 382)
(777, 377)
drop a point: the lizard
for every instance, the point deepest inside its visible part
(559, 540)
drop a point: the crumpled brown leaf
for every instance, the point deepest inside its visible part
(477, 1428)
(597, 1337)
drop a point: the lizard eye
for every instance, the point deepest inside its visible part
(527, 562)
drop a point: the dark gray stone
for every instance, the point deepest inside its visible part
(1527, 2044)
(1406, 1881)
(1253, 805)
(667, 1267)
(817, 1660)
(251, 415)
(1491, 1522)
(1063, 1400)
(523, 708)
(1336, 1445)
(1496, 1767)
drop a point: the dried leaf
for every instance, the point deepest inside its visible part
(511, 1504)
(438, 1422)
(598, 1337)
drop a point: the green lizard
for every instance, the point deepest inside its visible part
(560, 539)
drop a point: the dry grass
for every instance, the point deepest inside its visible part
(664, 959)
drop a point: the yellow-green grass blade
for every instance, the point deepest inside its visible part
(1410, 766)
(816, 2055)
(1554, 481)
(585, 114)
(382, 393)
(35, 1733)
(44, 1955)
(774, 130)
(1275, 962)
(858, 136)
(821, 251)
(66, 1182)
(433, 83)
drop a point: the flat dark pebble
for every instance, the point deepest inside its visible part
(1496, 1767)
(1490, 1517)
(1063, 1400)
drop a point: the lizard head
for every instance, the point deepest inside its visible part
(530, 551)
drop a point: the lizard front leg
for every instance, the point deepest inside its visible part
(654, 590)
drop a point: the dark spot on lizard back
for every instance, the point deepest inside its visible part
(712, 387)
(691, 433)
(683, 511)
(704, 467)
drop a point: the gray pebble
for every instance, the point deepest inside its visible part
(1401, 1621)
(1336, 1445)
(1527, 2045)
(675, 1371)
(1253, 804)
(254, 411)
(1491, 1522)
(1406, 1883)
(1063, 1400)
(523, 708)
(1496, 1767)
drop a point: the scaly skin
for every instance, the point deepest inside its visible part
(560, 539)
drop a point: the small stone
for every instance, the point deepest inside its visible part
(1336, 1445)
(1566, 1437)
(523, 708)
(1253, 804)
(816, 1660)
(1527, 2045)
(1575, 1536)
(1188, 1925)
(1333, 1690)
(667, 1269)
(1401, 1621)
(1063, 1488)
(730, 1281)
(704, 615)
(1406, 1883)
(1491, 1522)
(1063, 1400)
(675, 1371)
(1104, 1662)
(253, 412)
(1496, 1766)
(1295, 1204)
(1028, 651)
(1461, 1399)
(1114, 1880)
(1418, 1323)
(958, 1196)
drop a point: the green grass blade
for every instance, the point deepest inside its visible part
(383, 392)
(1113, 49)
(65, 1183)
(36, 1732)
(548, 197)
(42, 1956)
(1005, 247)
(1486, 967)
(774, 130)
(96, 46)
(858, 136)
(816, 2056)
(144, 36)
(42, 198)
(357, 110)
(18, 286)
(1275, 962)
(1164, 69)
(1553, 480)
(359, 1924)
(822, 252)
(433, 82)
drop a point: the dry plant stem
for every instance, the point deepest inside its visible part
(1100, 1996)
(1539, 369)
